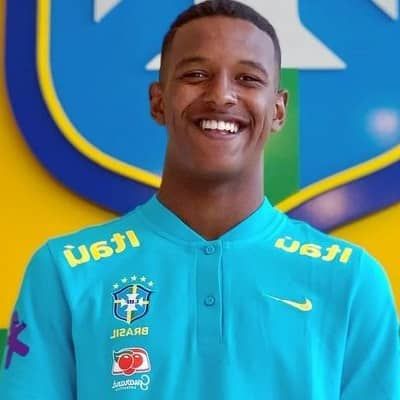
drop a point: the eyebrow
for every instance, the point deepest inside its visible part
(256, 65)
(195, 59)
(190, 60)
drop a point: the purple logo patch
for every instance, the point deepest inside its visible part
(14, 344)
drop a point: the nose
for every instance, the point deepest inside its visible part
(220, 91)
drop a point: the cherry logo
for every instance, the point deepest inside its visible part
(130, 361)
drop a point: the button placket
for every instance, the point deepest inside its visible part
(209, 304)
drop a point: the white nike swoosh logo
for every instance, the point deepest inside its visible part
(305, 306)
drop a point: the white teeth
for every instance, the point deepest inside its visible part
(222, 126)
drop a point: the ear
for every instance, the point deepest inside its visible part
(279, 117)
(156, 103)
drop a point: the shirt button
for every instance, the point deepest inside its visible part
(209, 249)
(209, 301)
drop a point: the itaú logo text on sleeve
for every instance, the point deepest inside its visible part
(327, 254)
(118, 243)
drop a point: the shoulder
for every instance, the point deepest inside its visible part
(299, 238)
(347, 266)
(95, 241)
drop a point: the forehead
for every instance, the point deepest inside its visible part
(223, 38)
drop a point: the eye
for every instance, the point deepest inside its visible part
(194, 76)
(250, 79)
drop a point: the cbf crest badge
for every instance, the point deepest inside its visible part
(131, 302)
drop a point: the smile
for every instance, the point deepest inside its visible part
(225, 127)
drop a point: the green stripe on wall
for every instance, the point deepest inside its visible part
(3, 337)
(281, 164)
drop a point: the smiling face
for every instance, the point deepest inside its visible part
(218, 98)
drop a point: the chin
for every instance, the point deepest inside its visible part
(215, 172)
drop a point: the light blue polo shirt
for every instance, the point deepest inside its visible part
(143, 307)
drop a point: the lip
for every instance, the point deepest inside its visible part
(216, 134)
(240, 121)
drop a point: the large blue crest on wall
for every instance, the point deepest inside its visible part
(78, 73)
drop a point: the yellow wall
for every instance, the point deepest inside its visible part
(379, 234)
(35, 207)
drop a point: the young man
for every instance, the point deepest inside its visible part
(206, 291)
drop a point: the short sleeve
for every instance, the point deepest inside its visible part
(372, 356)
(38, 361)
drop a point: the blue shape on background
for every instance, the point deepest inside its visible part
(318, 111)
(349, 202)
(100, 77)
(334, 105)
(58, 156)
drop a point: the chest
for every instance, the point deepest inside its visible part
(243, 310)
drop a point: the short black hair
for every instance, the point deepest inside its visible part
(227, 8)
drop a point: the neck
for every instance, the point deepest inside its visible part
(211, 208)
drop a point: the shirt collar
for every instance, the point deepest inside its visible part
(262, 221)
